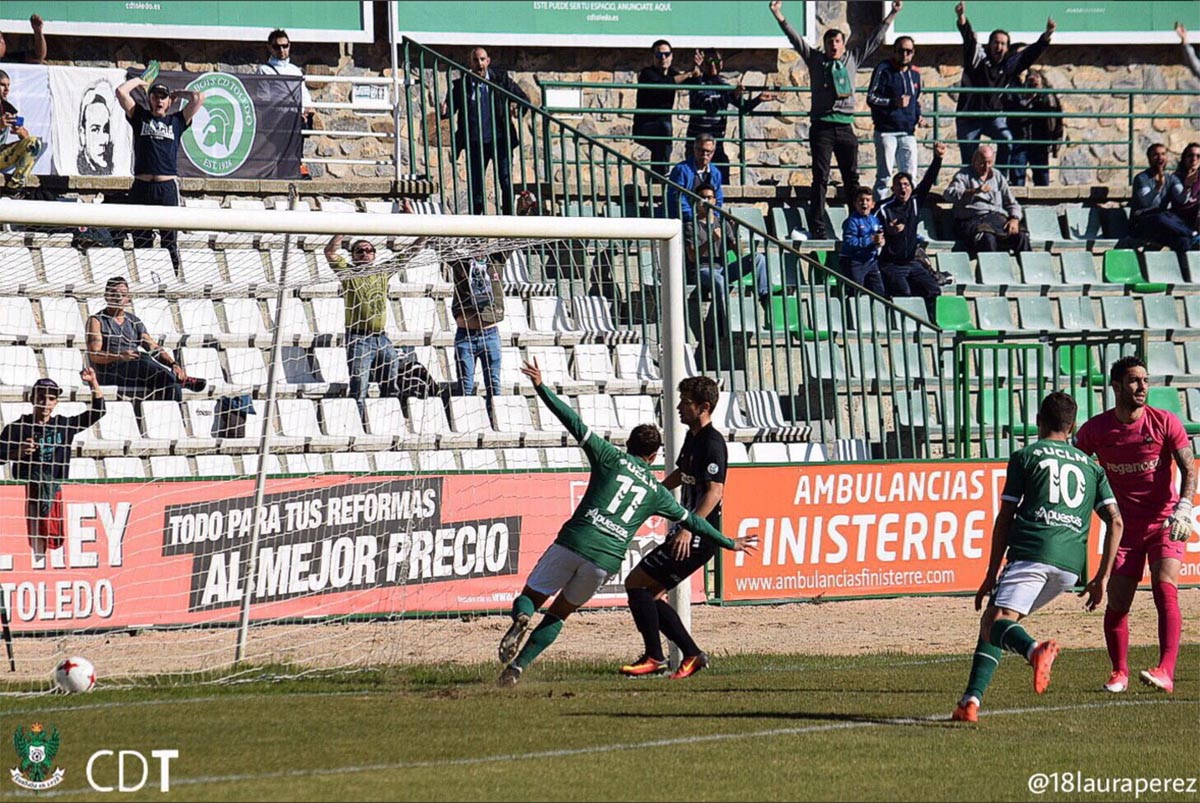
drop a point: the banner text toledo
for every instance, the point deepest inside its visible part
(333, 540)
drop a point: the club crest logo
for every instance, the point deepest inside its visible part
(222, 132)
(35, 753)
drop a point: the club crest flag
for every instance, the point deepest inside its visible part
(92, 137)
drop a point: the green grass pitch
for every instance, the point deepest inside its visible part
(780, 727)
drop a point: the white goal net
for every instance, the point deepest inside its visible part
(298, 450)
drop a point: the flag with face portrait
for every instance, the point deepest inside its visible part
(29, 92)
(91, 135)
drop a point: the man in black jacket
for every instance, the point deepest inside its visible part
(903, 274)
(996, 67)
(485, 130)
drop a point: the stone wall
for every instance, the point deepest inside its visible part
(1077, 67)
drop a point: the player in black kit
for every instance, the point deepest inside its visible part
(700, 469)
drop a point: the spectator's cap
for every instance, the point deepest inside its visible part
(46, 386)
(160, 89)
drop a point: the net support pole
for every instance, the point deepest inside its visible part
(672, 342)
(264, 445)
(391, 7)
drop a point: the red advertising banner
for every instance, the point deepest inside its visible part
(175, 553)
(869, 530)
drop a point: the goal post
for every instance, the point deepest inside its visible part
(664, 236)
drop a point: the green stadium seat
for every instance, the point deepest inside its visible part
(824, 315)
(835, 216)
(1045, 231)
(1121, 267)
(869, 315)
(994, 408)
(1036, 313)
(957, 264)
(996, 269)
(1090, 401)
(913, 409)
(1076, 313)
(1079, 267)
(1119, 313)
(954, 314)
(913, 306)
(907, 361)
(1162, 359)
(1085, 226)
(823, 362)
(1077, 361)
(786, 219)
(1161, 312)
(1168, 399)
(1037, 267)
(784, 268)
(994, 313)
(866, 359)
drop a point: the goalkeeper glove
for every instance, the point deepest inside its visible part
(1180, 522)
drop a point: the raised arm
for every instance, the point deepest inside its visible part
(1189, 54)
(194, 101)
(331, 250)
(125, 94)
(868, 46)
(931, 173)
(797, 41)
(593, 445)
(38, 56)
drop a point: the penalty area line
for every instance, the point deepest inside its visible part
(619, 746)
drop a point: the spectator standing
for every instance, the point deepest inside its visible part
(862, 239)
(990, 67)
(369, 350)
(280, 63)
(904, 274)
(710, 248)
(38, 444)
(691, 173)
(1045, 131)
(713, 96)
(156, 135)
(484, 129)
(1186, 203)
(653, 130)
(478, 309)
(831, 131)
(22, 152)
(1149, 216)
(986, 215)
(895, 100)
(35, 56)
(124, 353)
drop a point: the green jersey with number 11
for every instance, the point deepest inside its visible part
(621, 494)
(1056, 487)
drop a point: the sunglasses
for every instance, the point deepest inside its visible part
(713, 61)
(906, 50)
(284, 46)
(663, 54)
(364, 250)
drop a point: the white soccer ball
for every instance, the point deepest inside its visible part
(75, 675)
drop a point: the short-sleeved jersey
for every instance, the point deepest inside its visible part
(621, 494)
(365, 292)
(703, 459)
(1137, 458)
(1056, 488)
(156, 142)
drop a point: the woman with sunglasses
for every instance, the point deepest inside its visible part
(652, 122)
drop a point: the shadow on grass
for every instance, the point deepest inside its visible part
(799, 716)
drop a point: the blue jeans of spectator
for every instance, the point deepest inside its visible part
(972, 128)
(895, 152)
(1162, 227)
(370, 354)
(714, 283)
(865, 273)
(471, 345)
(144, 376)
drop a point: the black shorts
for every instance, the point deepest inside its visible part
(669, 572)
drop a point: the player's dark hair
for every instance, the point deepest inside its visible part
(1117, 372)
(644, 441)
(700, 389)
(902, 174)
(832, 32)
(1150, 150)
(654, 47)
(1007, 35)
(1057, 412)
(861, 191)
(115, 281)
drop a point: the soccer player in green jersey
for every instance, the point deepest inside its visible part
(1050, 491)
(621, 494)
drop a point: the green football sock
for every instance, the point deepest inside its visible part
(983, 666)
(523, 604)
(542, 637)
(1011, 636)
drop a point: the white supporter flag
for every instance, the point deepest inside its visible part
(92, 136)
(29, 91)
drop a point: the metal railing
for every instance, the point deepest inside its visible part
(941, 114)
(821, 358)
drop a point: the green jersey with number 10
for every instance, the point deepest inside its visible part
(621, 494)
(1056, 488)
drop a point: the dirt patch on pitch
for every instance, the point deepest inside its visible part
(919, 626)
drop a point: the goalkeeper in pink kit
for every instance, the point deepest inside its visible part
(1136, 444)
